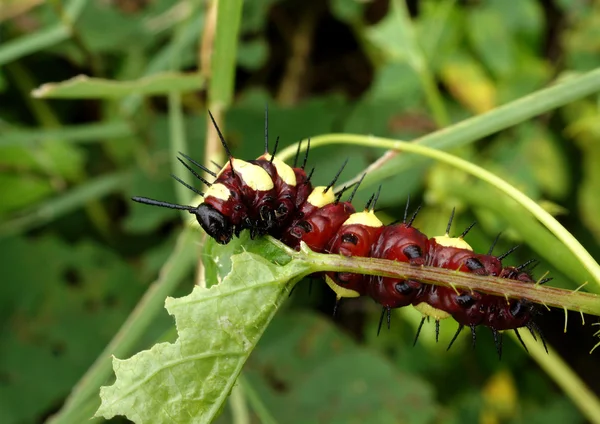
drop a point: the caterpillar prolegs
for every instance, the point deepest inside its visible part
(267, 196)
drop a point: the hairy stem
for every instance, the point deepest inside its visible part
(549, 296)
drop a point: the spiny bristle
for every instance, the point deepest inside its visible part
(376, 198)
(223, 142)
(337, 175)
(504, 255)
(310, 174)
(195, 190)
(267, 128)
(494, 243)
(533, 328)
(356, 187)
(464, 233)
(306, 154)
(473, 335)
(160, 203)
(381, 320)
(199, 165)
(368, 205)
(297, 154)
(521, 340)
(419, 331)
(274, 149)
(413, 217)
(189, 168)
(342, 191)
(406, 208)
(498, 342)
(219, 167)
(437, 330)
(545, 280)
(525, 264)
(460, 328)
(450, 222)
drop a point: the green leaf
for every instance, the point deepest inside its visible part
(51, 209)
(84, 133)
(43, 38)
(218, 327)
(84, 87)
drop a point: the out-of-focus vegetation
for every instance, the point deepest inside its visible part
(77, 255)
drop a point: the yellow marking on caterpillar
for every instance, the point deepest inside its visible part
(339, 290)
(429, 311)
(253, 175)
(319, 197)
(366, 218)
(285, 172)
(218, 191)
(457, 242)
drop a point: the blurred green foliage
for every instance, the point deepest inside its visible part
(76, 255)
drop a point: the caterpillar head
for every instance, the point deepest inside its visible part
(214, 223)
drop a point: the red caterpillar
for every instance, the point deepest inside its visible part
(266, 196)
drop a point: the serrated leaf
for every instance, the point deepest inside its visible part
(84, 87)
(218, 327)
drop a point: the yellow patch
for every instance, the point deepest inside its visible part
(452, 242)
(366, 218)
(428, 310)
(253, 175)
(319, 199)
(218, 191)
(339, 290)
(285, 172)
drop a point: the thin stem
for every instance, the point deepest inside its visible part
(238, 405)
(257, 404)
(418, 62)
(561, 373)
(550, 296)
(544, 217)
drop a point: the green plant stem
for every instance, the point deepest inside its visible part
(238, 405)
(83, 133)
(479, 126)
(550, 296)
(544, 217)
(179, 264)
(178, 143)
(42, 39)
(229, 14)
(257, 404)
(561, 373)
(65, 203)
(418, 62)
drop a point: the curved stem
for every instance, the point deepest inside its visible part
(549, 296)
(544, 217)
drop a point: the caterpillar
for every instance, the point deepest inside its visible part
(267, 196)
